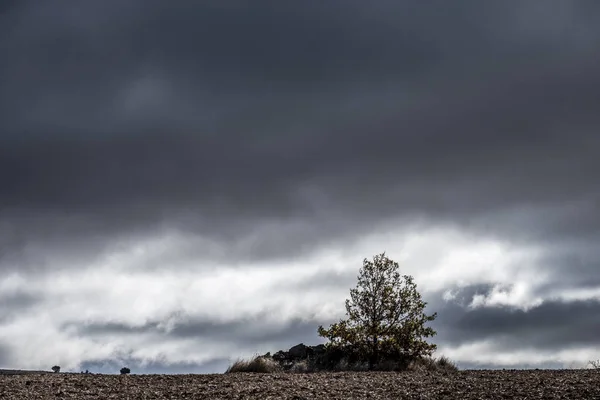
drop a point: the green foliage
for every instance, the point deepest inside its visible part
(386, 318)
(125, 371)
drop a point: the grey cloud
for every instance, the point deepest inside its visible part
(252, 332)
(552, 325)
(268, 131)
(324, 280)
(16, 303)
(463, 296)
(212, 49)
(572, 265)
(273, 153)
(222, 191)
(5, 356)
(549, 326)
(19, 299)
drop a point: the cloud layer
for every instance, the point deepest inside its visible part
(185, 184)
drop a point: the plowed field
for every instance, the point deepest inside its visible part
(509, 384)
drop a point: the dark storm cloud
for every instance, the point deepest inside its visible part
(268, 130)
(572, 265)
(552, 325)
(248, 332)
(210, 118)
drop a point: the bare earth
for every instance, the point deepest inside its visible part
(510, 384)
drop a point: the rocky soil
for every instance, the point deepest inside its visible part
(509, 384)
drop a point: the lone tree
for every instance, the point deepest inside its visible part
(386, 318)
(56, 368)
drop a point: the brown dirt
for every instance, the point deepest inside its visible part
(509, 384)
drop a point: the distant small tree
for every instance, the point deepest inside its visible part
(385, 316)
(56, 368)
(125, 371)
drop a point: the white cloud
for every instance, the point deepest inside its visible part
(487, 353)
(518, 295)
(114, 288)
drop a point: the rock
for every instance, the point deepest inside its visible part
(281, 356)
(317, 350)
(314, 356)
(299, 352)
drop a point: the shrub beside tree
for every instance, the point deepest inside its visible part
(386, 319)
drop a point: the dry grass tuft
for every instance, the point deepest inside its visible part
(257, 364)
(442, 364)
(445, 364)
(266, 364)
(595, 364)
(302, 367)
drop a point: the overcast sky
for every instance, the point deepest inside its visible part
(185, 183)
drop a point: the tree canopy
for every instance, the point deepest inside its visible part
(386, 318)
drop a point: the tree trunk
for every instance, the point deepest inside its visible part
(373, 359)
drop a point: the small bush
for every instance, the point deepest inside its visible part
(257, 364)
(56, 368)
(125, 371)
